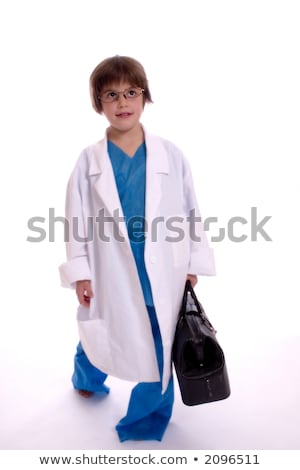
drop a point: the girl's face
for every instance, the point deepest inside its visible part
(122, 105)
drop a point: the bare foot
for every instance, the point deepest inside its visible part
(85, 393)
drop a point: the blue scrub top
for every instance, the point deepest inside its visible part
(130, 176)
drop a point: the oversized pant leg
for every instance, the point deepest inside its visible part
(86, 376)
(149, 411)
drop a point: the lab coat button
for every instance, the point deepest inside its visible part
(153, 259)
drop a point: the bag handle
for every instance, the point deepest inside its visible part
(200, 310)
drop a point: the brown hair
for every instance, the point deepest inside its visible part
(115, 70)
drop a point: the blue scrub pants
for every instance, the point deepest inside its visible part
(149, 411)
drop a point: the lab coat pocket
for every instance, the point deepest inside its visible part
(94, 339)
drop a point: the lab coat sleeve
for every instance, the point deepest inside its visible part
(202, 260)
(77, 265)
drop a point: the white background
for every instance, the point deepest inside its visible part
(224, 77)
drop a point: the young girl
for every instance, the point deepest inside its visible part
(135, 236)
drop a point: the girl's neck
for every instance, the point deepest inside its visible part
(133, 136)
(129, 141)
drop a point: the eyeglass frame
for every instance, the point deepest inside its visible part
(118, 93)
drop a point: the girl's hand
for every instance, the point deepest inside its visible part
(192, 278)
(84, 292)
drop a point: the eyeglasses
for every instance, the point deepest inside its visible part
(129, 94)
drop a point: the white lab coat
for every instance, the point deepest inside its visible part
(115, 330)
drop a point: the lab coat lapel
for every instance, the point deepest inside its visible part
(105, 184)
(157, 164)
